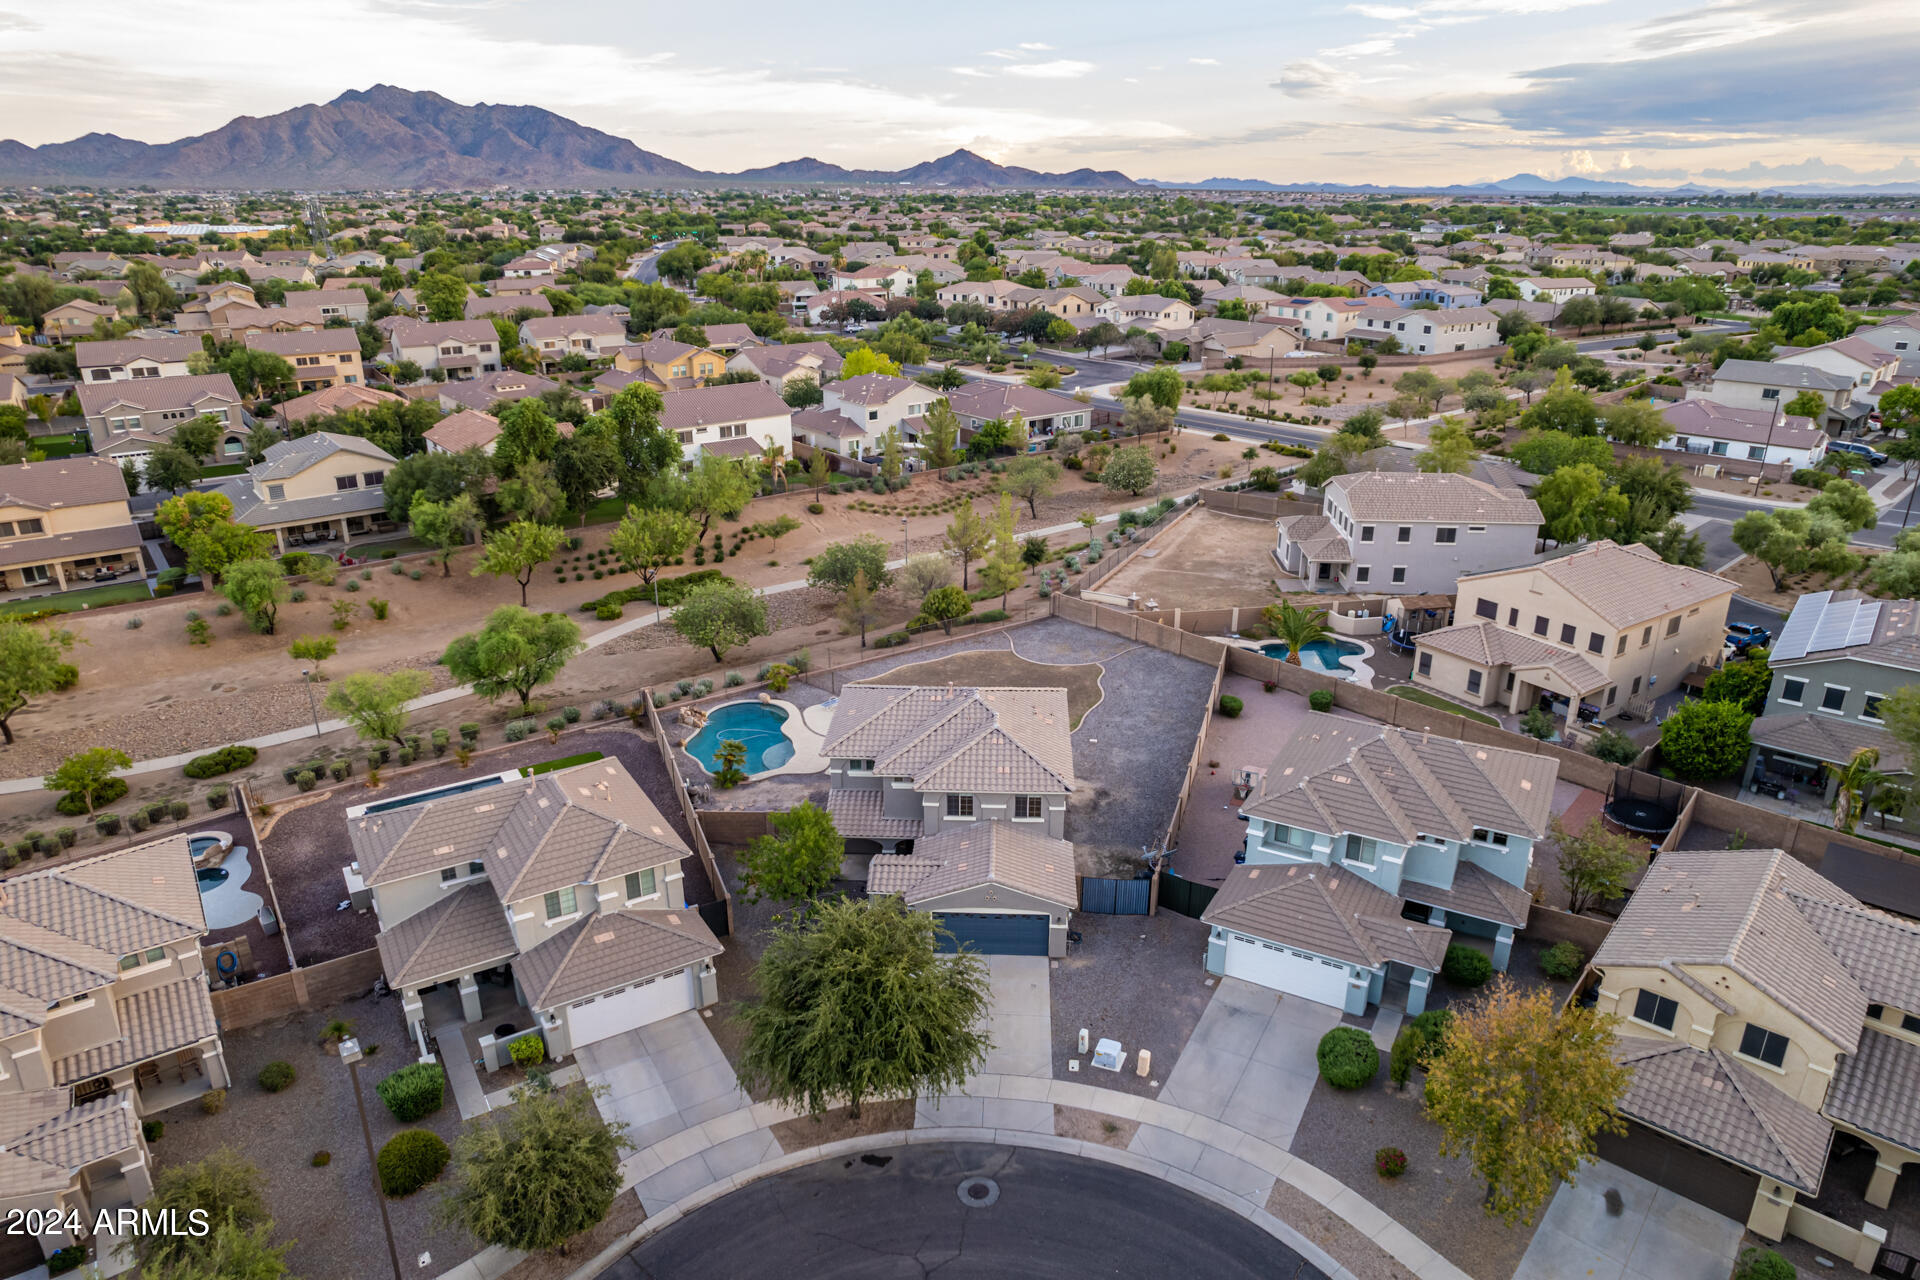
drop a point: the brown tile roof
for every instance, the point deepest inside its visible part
(1822, 737)
(1315, 535)
(89, 355)
(858, 813)
(337, 399)
(316, 342)
(468, 429)
(1489, 645)
(1328, 912)
(1624, 585)
(733, 402)
(612, 949)
(1476, 892)
(44, 1142)
(61, 482)
(989, 852)
(875, 388)
(957, 739)
(1705, 1097)
(1432, 496)
(153, 1021)
(465, 931)
(1339, 776)
(1877, 1090)
(191, 391)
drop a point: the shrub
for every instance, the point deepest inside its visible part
(61, 1261)
(353, 584)
(1347, 1058)
(152, 1129)
(608, 610)
(225, 760)
(1321, 700)
(178, 810)
(891, 640)
(1562, 961)
(410, 1160)
(814, 508)
(298, 596)
(1230, 706)
(213, 1102)
(276, 1076)
(470, 731)
(321, 1159)
(73, 804)
(528, 1051)
(135, 623)
(305, 780)
(379, 608)
(1401, 1059)
(440, 739)
(217, 796)
(517, 730)
(415, 1090)
(413, 574)
(107, 824)
(1389, 1162)
(556, 723)
(65, 836)
(339, 770)
(1614, 747)
(65, 676)
(734, 680)
(1465, 967)
(1762, 1264)
(572, 714)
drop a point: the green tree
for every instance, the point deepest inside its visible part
(1130, 470)
(858, 607)
(940, 435)
(375, 704)
(1899, 711)
(1363, 430)
(199, 436)
(514, 651)
(443, 294)
(31, 663)
(863, 360)
(1162, 386)
(1743, 683)
(86, 773)
(1595, 864)
(1424, 386)
(944, 604)
(922, 573)
(171, 468)
(1636, 422)
(1791, 540)
(224, 1186)
(229, 1252)
(649, 539)
(1450, 448)
(1576, 503)
(257, 588)
(717, 487)
(1808, 404)
(1031, 479)
(1579, 311)
(1702, 741)
(526, 431)
(797, 861)
(531, 493)
(534, 1175)
(1523, 1091)
(1854, 784)
(444, 526)
(1296, 626)
(646, 451)
(1565, 407)
(856, 1002)
(313, 649)
(1661, 485)
(517, 550)
(839, 562)
(1003, 569)
(967, 537)
(720, 616)
(152, 296)
(585, 463)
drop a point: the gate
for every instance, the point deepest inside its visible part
(715, 914)
(1188, 897)
(1114, 897)
(1897, 1265)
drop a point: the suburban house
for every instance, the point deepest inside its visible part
(878, 401)
(917, 777)
(1554, 289)
(1864, 362)
(317, 488)
(1769, 385)
(523, 286)
(1368, 848)
(994, 295)
(128, 420)
(128, 359)
(1763, 436)
(1328, 318)
(561, 894)
(1446, 296)
(467, 429)
(724, 338)
(1412, 533)
(894, 282)
(321, 359)
(1252, 343)
(1762, 1009)
(666, 364)
(490, 389)
(1045, 412)
(554, 338)
(781, 366)
(106, 1022)
(1147, 309)
(61, 521)
(1837, 658)
(1608, 624)
(339, 398)
(823, 308)
(482, 306)
(458, 348)
(75, 318)
(1427, 332)
(739, 419)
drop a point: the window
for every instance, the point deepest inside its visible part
(1446, 535)
(1655, 1010)
(1621, 647)
(1399, 573)
(1028, 808)
(343, 483)
(152, 955)
(1485, 836)
(1513, 617)
(372, 479)
(1486, 609)
(1473, 682)
(1596, 643)
(640, 884)
(959, 806)
(1756, 453)
(1363, 573)
(561, 903)
(1426, 663)
(860, 766)
(1834, 697)
(1871, 711)
(1361, 850)
(1366, 533)
(1719, 449)
(1910, 1023)
(476, 868)
(1875, 1012)
(1567, 633)
(1792, 690)
(1763, 1045)
(1405, 534)
(1280, 836)
(449, 874)
(1646, 637)
(276, 492)
(1770, 393)
(1635, 690)
(1673, 625)
(1612, 693)
(1540, 624)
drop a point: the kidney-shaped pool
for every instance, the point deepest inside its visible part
(760, 728)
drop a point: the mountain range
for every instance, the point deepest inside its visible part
(385, 137)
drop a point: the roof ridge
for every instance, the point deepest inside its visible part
(1780, 1144)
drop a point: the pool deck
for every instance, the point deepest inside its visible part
(806, 739)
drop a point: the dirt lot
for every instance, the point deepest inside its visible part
(1355, 389)
(1209, 560)
(1756, 582)
(991, 668)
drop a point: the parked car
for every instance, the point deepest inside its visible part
(1745, 635)
(1858, 450)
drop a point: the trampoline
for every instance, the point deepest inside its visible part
(1644, 804)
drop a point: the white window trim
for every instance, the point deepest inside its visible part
(1785, 701)
(1841, 710)
(557, 921)
(1870, 695)
(1761, 1063)
(1655, 1027)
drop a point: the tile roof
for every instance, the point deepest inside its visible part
(286, 458)
(859, 813)
(1475, 892)
(44, 1142)
(732, 402)
(1823, 737)
(468, 429)
(1328, 912)
(463, 932)
(1315, 535)
(959, 858)
(487, 389)
(316, 342)
(830, 422)
(957, 738)
(1705, 1097)
(189, 391)
(989, 400)
(1488, 644)
(61, 482)
(598, 326)
(1624, 585)
(1432, 497)
(153, 1021)
(91, 355)
(1341, 776)
(1715, 421)
(874, 388)
(1877, 1089)
(612, 949)
(341, 398)
(431, 333)
(1803, 376)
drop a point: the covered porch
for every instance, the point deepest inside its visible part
(1311, 550)
(64, 562)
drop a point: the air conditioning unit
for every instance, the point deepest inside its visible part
(1709, 469)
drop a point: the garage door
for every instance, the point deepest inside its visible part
(993, 935)
(1282, 968)
(1682, 1169)
(636, 1006)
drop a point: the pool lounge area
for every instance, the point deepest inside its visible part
(1346, 659)
(778, 739)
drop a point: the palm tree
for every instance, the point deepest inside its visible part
(1853, 783)
(1891, 800)
(1298, 627)
(774, 455)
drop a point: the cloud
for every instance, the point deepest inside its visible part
(1204, 62)
(971, 71)
(1306, 79)
(1008, 54)
(1058, 69)
(1361, 48)
(1037, 47)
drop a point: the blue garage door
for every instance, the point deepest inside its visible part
(1021, 935)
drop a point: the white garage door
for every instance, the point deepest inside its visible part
(1282, 968)
(636, 1006)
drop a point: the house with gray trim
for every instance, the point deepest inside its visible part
(1411, 533)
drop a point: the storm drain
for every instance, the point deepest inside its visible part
(978, 1193)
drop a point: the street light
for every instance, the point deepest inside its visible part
(906, 547)
(350, 1055)
(311, 704)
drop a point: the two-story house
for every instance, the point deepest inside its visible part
(76, 318)
(1406, 533)
(1148, 310)
(1045, 413)
(1368, 848)
(1441, 293)
(1761, 1008)
(104, 1021)
(61, 522)
(554, 338)
(1837, 658)
(321, 359)
(1555, 289)
(489, 389)
(1762, 436)
(317, 488)
(128, 420)
(737, 419)
(668, 365)
(565, 889)
(878, 401)
(1328, 318)
(458, 348)
(784, 365)
(1768, 386)
(893, 282)
(129, 359)
(1614, 626)
(1870, 366)
(918, 781)
(1425, 332)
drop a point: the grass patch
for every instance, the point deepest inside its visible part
(564, 762)
(55, 446)
(84, 598)
(1438, 703)
(224, 469)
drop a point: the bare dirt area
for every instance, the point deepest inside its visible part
(1002, 668)
(1091, 1126)
(1209, 560)
(1756, 581)
(1354, 390)
(832, 1126)
(1340, 1238)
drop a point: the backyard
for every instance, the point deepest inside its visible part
(1207, 560)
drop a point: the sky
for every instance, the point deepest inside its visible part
(1725, 92)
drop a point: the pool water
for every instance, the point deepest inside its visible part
(208, 877)
(201, 844)
(1327, 656)
(759, 728)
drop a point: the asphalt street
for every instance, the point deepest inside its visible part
(899, 1213)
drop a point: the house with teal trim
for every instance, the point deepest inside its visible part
(1368, 848)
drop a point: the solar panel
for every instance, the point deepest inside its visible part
(1797, 635)
(1834, 625)
(1866, 620)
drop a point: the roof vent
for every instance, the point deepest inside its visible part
(445, 848)
(599, 938)
(673, 917)
(1254, 874)
(484, 808)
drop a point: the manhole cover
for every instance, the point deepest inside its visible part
(978, 1193)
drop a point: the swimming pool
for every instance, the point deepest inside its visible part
(761, 729)
(1329, 656)
(208, 877)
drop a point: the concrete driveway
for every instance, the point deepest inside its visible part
(1250, 1062)
(1020, 1025)
(663, 1078)
(1656, 1236)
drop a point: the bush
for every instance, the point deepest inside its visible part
(672, 591)
(61, 1261)
(734, 680)
(1405, 1053)
(213, 1102)
(353, 584)
(135, 623)
(379, 608)
(608, 610)
(1230, 706)
(814, 508)
(1762, 1264)
(1347, 1058)
(1562, 961)
(217, 797)
(276, 1076)
(556, 723)
(1321, 700)
(891, 640)
(1614, 747)
(440, 739)
(339, 770)
(410, 1160)
(572, 714)
(1465, 967)
(152, 1129)
(73, 804)
(1702, 741)
(298, 596)
(65, 836)
(178, 810)
(517, 730)
(415, 1090)
(137, 821)
(107, 824)
(321, 1159)
(225, 760)
(470, 731)
(528, 1051)
(305, 780)
(1389, 1162)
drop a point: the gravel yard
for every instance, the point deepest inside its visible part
(1136, 979)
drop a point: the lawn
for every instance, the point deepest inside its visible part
(84, 598)
(224, 469)
(56, 446)
(1002, 668)
(1439, 703)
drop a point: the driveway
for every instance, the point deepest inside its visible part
(1656, 1236)
(1250, 1063)
(662, 1078)
(1020, 1025)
